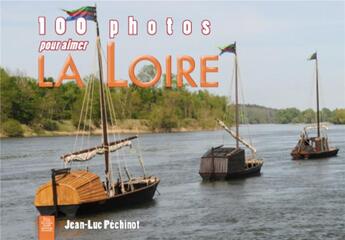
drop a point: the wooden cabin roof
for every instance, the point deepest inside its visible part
(75, 187)
(221, 152)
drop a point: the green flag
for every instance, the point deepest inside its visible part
(313, 56)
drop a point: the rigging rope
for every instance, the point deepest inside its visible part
(85, 121)
(109, 104)
(226, 114)
(321, 98)
(86, 112)
(80, 119)
(140, 155)
(91, 108)
(243, 108)
(114, 123)
(312, 95)
(114, 118)
(82, 109)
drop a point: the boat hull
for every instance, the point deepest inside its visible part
(248, 172)
(314, 155)
(119, 201)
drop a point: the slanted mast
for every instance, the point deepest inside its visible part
(244, 142)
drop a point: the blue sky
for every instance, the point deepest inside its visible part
(274, 40)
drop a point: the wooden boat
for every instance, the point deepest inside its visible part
(222, 163)
(80, 191)
(313, 147)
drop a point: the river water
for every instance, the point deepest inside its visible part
(290, 200)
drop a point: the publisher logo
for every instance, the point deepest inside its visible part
(46, 227)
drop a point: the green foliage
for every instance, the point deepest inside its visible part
(163, 108)
(308, 116)
(339, 116)
(49, 125)
(160, 108)
(12, 128)
(326, 115)
(255, 114)
(92, 100)
(293, 115)
(288, 115)
(163, 118)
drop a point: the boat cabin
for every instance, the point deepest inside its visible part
(71, 188)
(312, 143)
(219, 162)
(313, 146)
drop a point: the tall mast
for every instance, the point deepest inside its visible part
(236, 103)
(103, 111)
(317, 98)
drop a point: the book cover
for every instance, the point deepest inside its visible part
(172, 120)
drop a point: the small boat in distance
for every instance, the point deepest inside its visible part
(222, 163)
(73, 192)
(310, 147)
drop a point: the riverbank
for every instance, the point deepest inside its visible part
(129, 126)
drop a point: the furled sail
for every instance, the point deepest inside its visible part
(87, 154)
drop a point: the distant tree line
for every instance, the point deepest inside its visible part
(25, 106)
(259, 114)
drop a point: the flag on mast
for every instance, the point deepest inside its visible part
(230, 49)
(313, 56)
(87, 12)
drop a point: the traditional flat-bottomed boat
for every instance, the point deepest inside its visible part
(80, 191)
(222, 163)
(314, 147)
